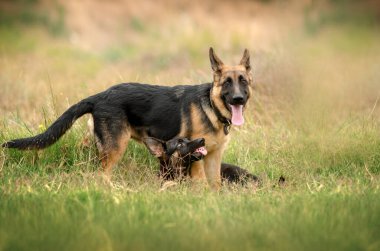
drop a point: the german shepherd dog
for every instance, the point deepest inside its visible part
(133, 110)
(177, 155)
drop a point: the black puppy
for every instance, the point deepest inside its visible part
(236, 174)
(176, 156)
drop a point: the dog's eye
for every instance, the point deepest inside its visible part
(227, 81)
(179, 145)
(242, 80)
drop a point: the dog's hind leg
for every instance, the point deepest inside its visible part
(87, 140)
(112, 136)
(113, 151)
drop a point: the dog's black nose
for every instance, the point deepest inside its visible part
(238, 99)
(200, 141)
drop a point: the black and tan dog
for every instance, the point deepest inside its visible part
(133, 110)
(177, 155)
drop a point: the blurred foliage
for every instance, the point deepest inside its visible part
(30, 13)
(341, 13)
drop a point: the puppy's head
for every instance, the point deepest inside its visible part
(177, 150)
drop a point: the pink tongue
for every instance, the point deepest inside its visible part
(237, 115)
(202, 150)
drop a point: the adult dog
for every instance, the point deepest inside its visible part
(134, 110)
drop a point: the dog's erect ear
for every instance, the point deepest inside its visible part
(216, 63)
(155, 146)
(245, 60)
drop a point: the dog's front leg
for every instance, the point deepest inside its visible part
(212, 165)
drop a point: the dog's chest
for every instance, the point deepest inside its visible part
(213, 132)
(217, 141)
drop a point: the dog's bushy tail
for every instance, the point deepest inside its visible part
(55, 131)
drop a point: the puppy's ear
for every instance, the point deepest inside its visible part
(245, 60)
(216, 63)
(155, 146)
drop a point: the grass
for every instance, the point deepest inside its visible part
(314, 118)
(103, 220)
(55, 199)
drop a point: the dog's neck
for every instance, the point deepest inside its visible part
(225, 121)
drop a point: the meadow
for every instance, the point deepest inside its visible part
(314, 118)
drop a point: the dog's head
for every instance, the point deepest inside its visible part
(232, 87)
(177, 152)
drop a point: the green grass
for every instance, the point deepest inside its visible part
(56, 198)
(102, 220)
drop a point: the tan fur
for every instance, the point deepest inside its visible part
(184, 126)
(138, 135)
(215, 144)
(211, 116)
(212, 168)
(197, 170)
(111, 152)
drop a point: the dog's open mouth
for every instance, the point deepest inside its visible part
(237, 115)
(202, 150)
(199, 154)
